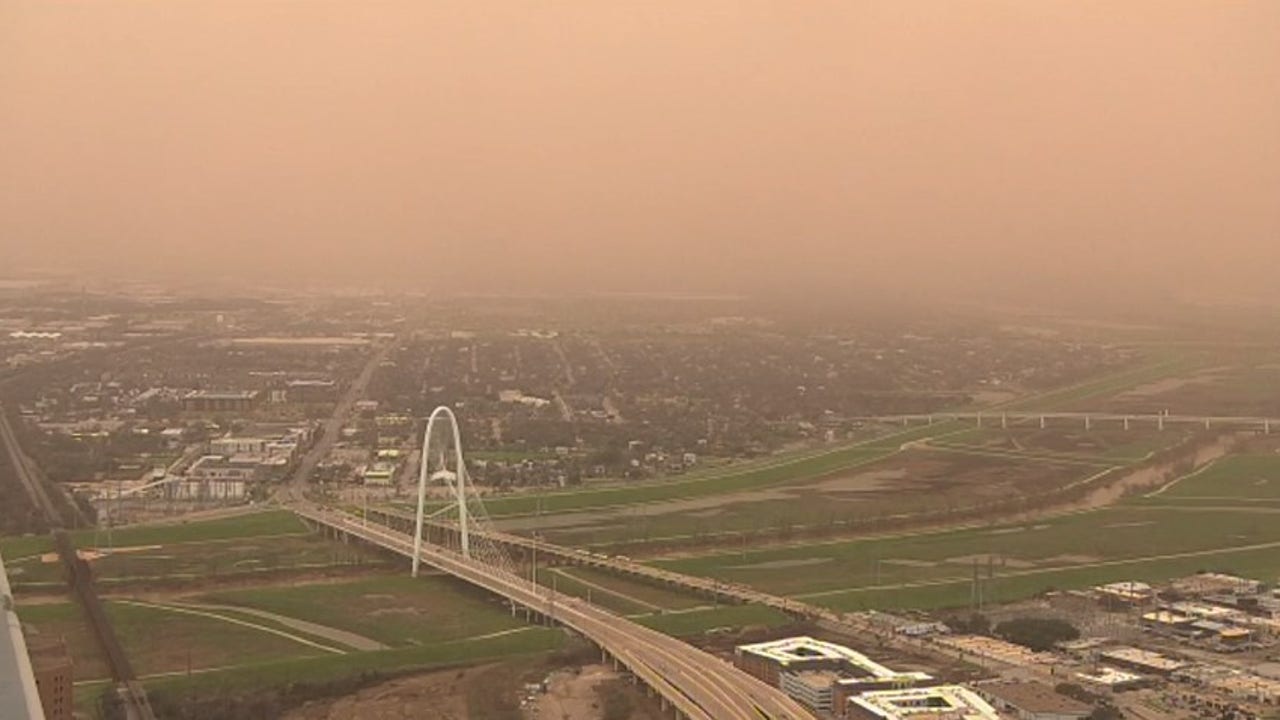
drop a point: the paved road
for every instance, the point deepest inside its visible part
(324, 632)
(297, 484)
(26, 473)
(699, 685)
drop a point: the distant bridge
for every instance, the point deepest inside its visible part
(998, 418)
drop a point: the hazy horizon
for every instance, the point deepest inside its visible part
(905, 148)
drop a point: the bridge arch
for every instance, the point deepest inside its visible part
(441, 414)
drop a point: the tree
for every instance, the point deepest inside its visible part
(1106, 712)
(975, 624)
(1037, 634)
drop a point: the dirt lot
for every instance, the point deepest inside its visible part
(572, 694)
(585, 693)
(430, 696)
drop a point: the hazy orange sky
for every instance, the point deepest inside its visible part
(698, 145)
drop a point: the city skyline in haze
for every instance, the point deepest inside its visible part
(910, 148)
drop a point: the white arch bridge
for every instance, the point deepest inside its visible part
(694, 684)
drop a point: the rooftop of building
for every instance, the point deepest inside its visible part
(1033, 697)
(1110, 677)
(807, 651)
(1145, 658)
(1126, 588)
(817, 679)
(951, 702)
(223, 394)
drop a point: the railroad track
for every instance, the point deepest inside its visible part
(130, 693)
(27, 475)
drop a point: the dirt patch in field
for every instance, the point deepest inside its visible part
(782, 564)
(1162, 386)
(907, 562)
(431, 696)
(986, 559)
(410, 611)
(573, 695)
(1070, 560)
(860, 482)
(993, 397)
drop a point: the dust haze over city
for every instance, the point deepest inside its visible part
(695, 147)
(891, 360)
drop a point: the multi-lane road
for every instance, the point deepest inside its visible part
(698, 685)
(296, 486)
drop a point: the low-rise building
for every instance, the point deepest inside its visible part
(379, 473)
(309, 391)
(1112, 680)
(221, 401)
(231, 445)
(944, 702)
(1211, 583)
(1128, 592)
(819, 674)
(1032, 701)
(222, 467)
(1143, 661)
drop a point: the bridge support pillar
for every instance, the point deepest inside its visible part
(1126, 422)
(930, 419)
(1160, 422)
(979, 419)
(1206, 423)
(1004, 421)
(1266, 427)
(1087, 423)
(1042, 422)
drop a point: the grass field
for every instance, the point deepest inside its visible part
(1235, 477)
(156, 641)
(320, 669)
(206, 642)
(18, 548)
(702, 620)
(1019, 585)
(735, 477)
(220, 558)
(398, 611)
(1102, 445)
(915, 480)
(259, 524)
(50, 622)
(1155, 369)
(619, 594)
(1038, 550)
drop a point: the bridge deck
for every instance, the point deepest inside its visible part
(699, 685)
